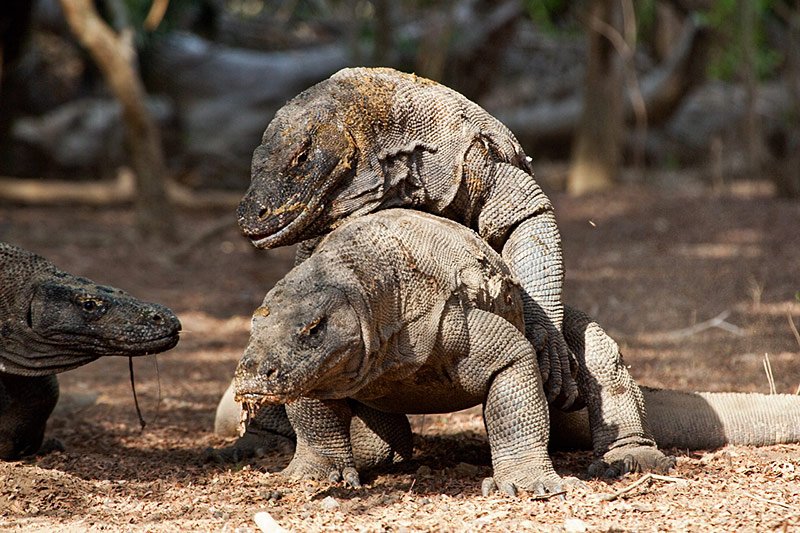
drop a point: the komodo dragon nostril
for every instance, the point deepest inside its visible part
(263, 212)
(271, 373)
(157, 318)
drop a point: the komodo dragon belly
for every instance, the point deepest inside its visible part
(431, 389)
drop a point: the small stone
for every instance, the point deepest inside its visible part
(330, 503)
(466, 470)
(267, 524)
(424, 471)
(575, 525)
(643, 507)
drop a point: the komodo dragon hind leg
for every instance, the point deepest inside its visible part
(621, 439)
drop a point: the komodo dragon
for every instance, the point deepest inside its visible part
(369, 139)
(52, 321)
(403, 312)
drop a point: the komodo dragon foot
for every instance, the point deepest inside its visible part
(308, 465)
(634, 458)
(527, 479)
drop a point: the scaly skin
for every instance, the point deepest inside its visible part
(52, 321)
(402, 312)
(370, 139)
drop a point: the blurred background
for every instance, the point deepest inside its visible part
(599, 92)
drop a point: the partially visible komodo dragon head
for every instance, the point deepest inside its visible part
(51, 322)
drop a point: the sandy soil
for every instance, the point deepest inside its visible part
(647, 263)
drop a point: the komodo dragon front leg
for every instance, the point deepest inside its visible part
(25, 405)
(514, 412)
(533, 253)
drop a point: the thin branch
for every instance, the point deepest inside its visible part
(794, 328)
(641, 481)
(716, 322)
(765, 500)
(626, 48)
(156, 14)
(770, 375)
(548, 495)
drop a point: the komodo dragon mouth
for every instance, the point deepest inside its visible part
(152, 346)
(277, 228)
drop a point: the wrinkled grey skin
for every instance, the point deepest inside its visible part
(51, 322)
(401, 312)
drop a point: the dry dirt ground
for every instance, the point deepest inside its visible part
(647, 263)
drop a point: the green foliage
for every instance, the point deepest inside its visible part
(545, 12)
(645, 17)
(725, 18)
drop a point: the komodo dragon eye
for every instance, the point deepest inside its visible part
(314, 328)
(90, 305)
(301, 156)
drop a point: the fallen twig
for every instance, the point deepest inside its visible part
(794, 328)
(641, 481)
(770, 376)
(548, 495)
(716, 322)
(765, 500)
(117, 191)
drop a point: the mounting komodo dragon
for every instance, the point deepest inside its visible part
(402, 312)
(51, 322)
(369, 139)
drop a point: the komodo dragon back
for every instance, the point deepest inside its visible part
(368, 139)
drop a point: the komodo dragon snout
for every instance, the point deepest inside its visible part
(303, 156)
(107, 320)
(306, 341)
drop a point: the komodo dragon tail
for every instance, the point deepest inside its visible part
(699, 420)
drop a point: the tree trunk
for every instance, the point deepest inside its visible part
(115, 58)
(597, 145)
(749, 76)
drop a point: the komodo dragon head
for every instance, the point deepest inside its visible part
(319, 161)
(52, 321)
(306, 153)
(306, 340)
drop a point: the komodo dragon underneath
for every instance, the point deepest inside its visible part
(368, 139)
(52, 321)
(402, 312)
